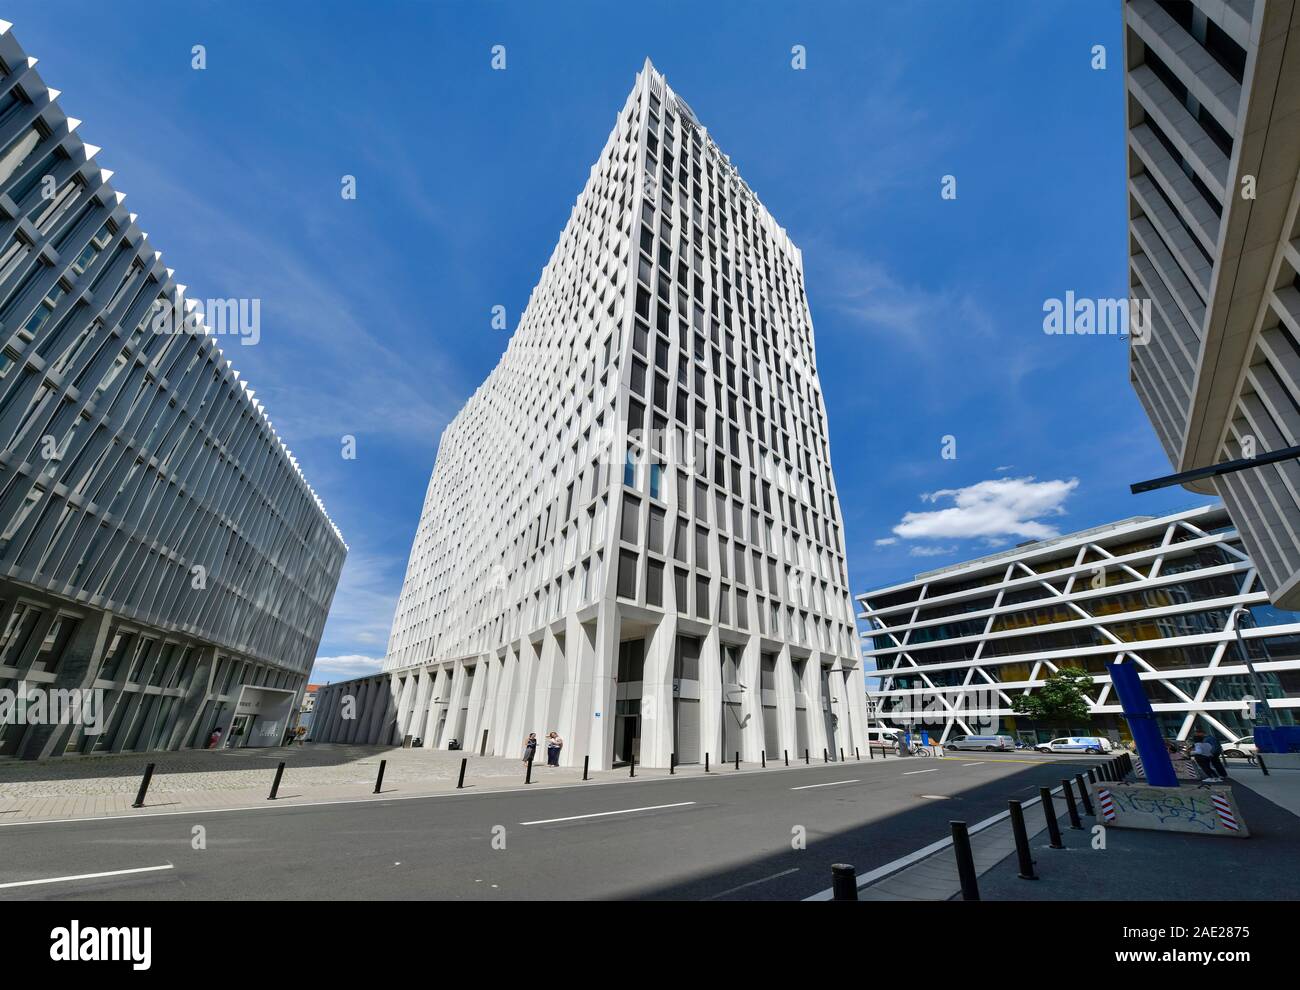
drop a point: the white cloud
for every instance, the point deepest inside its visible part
(344, 668)
(926, 551)
(999, 507)
(887, 541)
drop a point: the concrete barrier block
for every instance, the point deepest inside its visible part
(1202, 810)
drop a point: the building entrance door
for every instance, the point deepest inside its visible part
(239, 730)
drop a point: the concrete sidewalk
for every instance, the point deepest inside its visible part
(1131, 864)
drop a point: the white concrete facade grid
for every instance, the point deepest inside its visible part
(1213, 119)
(158, 542)
(954, 648)
(631, 535)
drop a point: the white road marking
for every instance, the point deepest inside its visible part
(936, 797)
(603, 814)
(752, 883)
(83, 876)
(909, 773)
(979, 764)
(808, 787)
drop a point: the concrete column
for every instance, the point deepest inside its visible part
(360, 692)
(855, 704)
(77, 669)
(376, 702)
(539, 702)
(477, 692)
(711, 697)
(579, 651)
(404, 701)
(335, 710)
(657, 743)
(454, 699)
(785, 701)
(195, 702)
(321, 715)
(503, 703)
(521, 707)
(492, 670)
(751, 699)
(436, 690)
(594, 665)
(420, 706)
(812, 678)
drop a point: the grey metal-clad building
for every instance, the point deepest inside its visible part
(1213, 115)
(158, 544)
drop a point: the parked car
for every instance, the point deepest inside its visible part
(1243, 748)
(1076, 744)
(989, 744)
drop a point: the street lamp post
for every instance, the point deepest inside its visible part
(1239, 613)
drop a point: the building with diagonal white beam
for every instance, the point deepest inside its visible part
(954, 647)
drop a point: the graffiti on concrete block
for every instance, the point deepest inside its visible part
(1203, 810)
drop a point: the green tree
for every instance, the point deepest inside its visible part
(1060, 699)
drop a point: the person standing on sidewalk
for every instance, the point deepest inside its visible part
(530, 747)
(1216, 756)
(1201, 754)
(553, 746)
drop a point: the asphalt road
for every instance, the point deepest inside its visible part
(725, 836)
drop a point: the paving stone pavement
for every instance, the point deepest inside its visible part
(91, 785)
(188, 780)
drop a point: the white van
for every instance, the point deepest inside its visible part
(884, 738)
(1076, 744)
(990, 744)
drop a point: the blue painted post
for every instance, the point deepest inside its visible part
(1142, 724)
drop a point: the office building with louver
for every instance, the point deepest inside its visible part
(165, 570)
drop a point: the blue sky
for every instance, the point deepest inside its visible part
(376, 312)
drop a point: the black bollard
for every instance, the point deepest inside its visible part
(1084, 797)
(1071, 808)
(825, 758)
(585, 761)
(460, 781)
(631, 766)
(737, 759)
(672, 763)
(841, 754)
(763, 757)
(379, 780)
(144, 786)
(1022, 841)
(528, 773)
(844, 882)
(706, 762)
(857, 754)
(787, 756)
(970, 890)
(1049, 812)
(275, 784)
(806, 760)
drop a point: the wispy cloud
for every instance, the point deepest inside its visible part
(927, 551)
